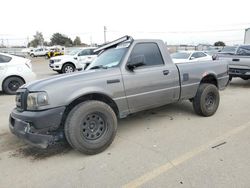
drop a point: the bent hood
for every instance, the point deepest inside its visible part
(69, 80)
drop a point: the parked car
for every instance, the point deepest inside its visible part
(190, 56)
(39, 52)
(238, 58)
(76, 60)
(127, 77)
(14, 72)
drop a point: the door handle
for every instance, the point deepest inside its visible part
(166, 72)
(236, 59)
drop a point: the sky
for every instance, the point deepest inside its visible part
(175, 22)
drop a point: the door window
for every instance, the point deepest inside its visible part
(150, 53)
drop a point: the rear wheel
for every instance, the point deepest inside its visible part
(245, 78)
(68, 68)
(206, 100)
(91, 127)
(11, 84)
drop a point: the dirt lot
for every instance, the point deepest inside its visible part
(165, 147)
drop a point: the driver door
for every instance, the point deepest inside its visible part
(152, 84)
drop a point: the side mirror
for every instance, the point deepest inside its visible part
(136, 62)
(75, 58)
(192, 58)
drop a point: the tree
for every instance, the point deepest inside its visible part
(77, 41)
(219, 43)
(60, 39)
(37, 41)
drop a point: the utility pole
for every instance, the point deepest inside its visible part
(28, 42)
(105, 30)
(91, 43)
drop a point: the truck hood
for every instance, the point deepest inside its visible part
(81, 78)
(180, 60)
(62, 57)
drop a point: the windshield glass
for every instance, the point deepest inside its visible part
(109, 58)
(74, 52)
(180, 55)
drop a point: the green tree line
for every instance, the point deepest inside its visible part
(56, 39)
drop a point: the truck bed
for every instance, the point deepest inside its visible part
(192, 73)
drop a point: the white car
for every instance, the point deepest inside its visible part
(76, 60)
(39, 52)
(190, 56)
(14, 72)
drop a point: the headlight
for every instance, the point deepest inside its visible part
(35, 100)
(57, 60)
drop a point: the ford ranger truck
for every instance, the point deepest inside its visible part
(238, 60)
(128, 76)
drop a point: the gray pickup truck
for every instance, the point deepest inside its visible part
(128, 76)
(238, 58)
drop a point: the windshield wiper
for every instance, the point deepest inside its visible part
(98, 67)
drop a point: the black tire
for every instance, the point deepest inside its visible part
(229, 80)
(11, 84)
(32, 55)
(68, 68)
(59, 71)
(91, 127)
(244, 78)
(206, 100)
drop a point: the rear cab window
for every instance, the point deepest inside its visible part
(150, 53)
(243, 51)
(5, 59)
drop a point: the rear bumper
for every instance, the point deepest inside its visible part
(39, 129)
(238, 72)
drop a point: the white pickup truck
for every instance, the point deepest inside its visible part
(39, 52)
(76, 60)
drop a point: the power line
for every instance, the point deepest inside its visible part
(177, 32)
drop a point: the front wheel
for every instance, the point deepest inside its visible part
(68, 68)
(206, 100)
(91, 127)
(11, 84)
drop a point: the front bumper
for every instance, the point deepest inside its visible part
(55, 66)
(39, 129)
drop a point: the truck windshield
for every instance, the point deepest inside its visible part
(74, 52)
(180, 55)
(109, 58)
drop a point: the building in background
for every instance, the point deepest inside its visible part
(247, 36)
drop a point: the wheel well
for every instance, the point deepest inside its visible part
(93, 96)
(210, 79)
(69, 63)
(12, 76)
